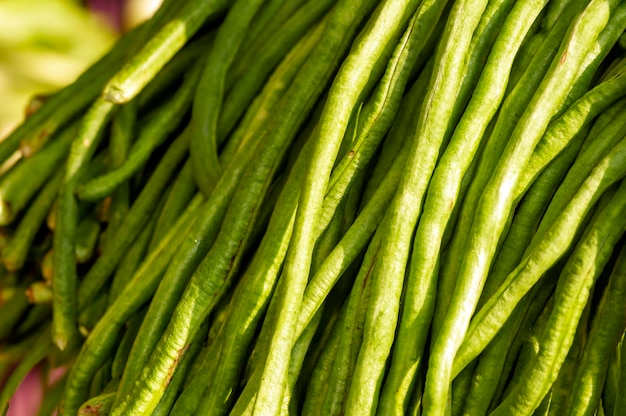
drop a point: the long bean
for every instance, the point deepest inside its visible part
(215, 207)
(123, 126)
(351, 329)
(65, 279)
(251, 297)
(135, 293)
(137, 217)
(254, 67)
(158, 51)
(210, 93)
(19, 185)
(160, 125)
(514, 105)
(559, 392)
(572, 293)
(350, 81)
(382, 315)
(205, 283)
(544, 254)
(375, 118)
(494, 205)
(619, 404)
(133, 257)
(580, 114)
(442, 192)
(528, 215)
(183, 190)
(607, 329)
(14, 254)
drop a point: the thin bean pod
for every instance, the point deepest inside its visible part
(132, 259)
(607, 329)
(495, 203)
(255, 67)
(317, 383)
(15, 253)
(620, 403)
(513, 106)
(250, 299)
(160, 125)
(100, 404)
(546, 251)
(588, 259)
(65, 279)
(135, 293)
(265, 24)
(19, 185)
(200, 294)
(528, 215)
(125, 344)
(560, 390)
(351, 329)
(123, 127)
(579, 115)
(134, 221)
(375, 117)
(442, 194)
(183, 190)
(216, 206)
(160, 49)
(351, 80)
(207, 104)
(167, 401)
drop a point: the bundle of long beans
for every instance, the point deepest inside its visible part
(327, 207)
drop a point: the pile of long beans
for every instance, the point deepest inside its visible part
(319, 207)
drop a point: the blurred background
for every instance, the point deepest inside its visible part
(46, 44)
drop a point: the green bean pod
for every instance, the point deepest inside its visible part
(101, 340)
(560, 390)
(210, 93)
(572, 292)
(495, 203)
(183, 190)
(351, 330)
(512, 108)
(206, 283)
(158, 128)
(132, 259)
(254, 67)
(123, 127)
(160, 49)
(250, 300)
(442, 193)
(138, 215)
(606, 331)
(167, 401)
(21, 183)
(65, 279)
(15, 253)
(619, 405)
(375, 41)
(546, 251)
(216, 206)
(575, 118)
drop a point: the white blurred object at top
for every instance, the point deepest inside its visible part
(136, 11)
